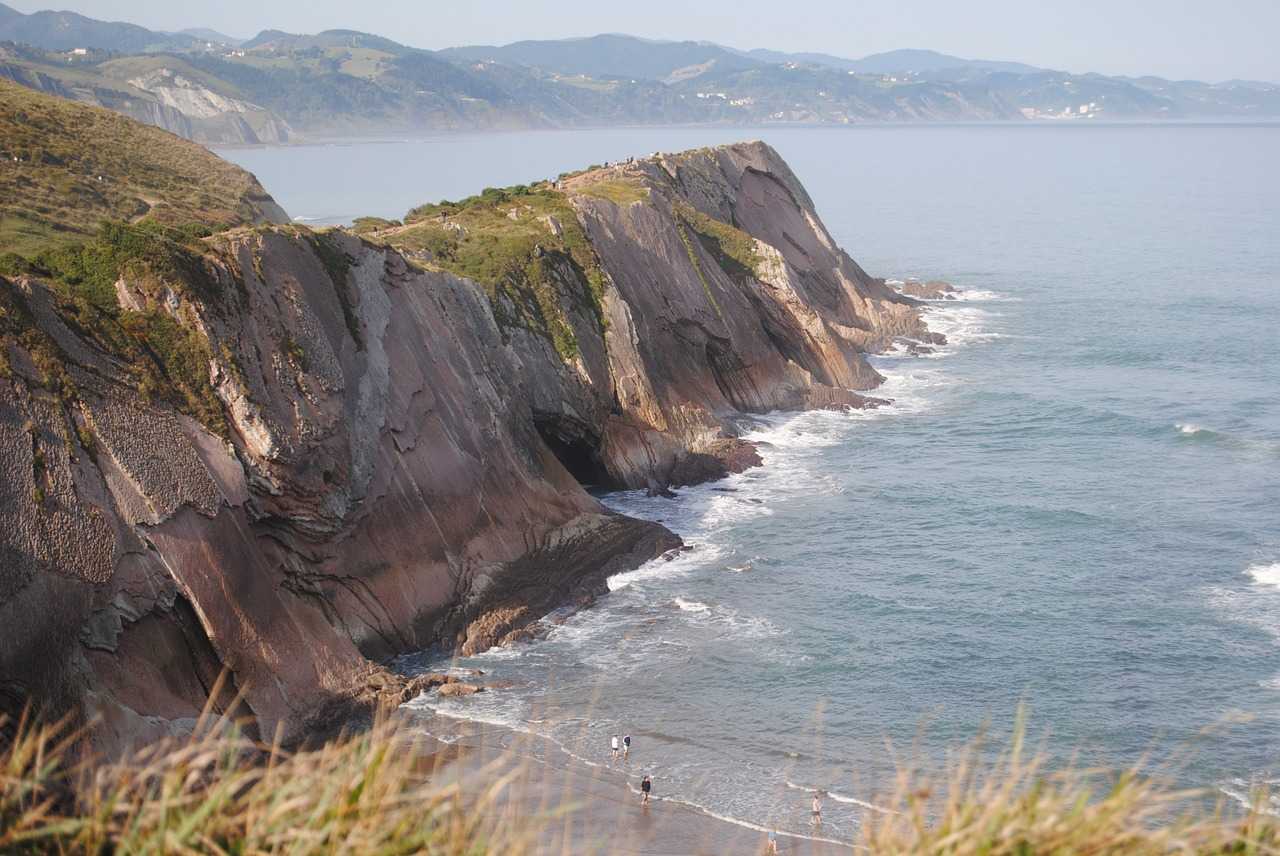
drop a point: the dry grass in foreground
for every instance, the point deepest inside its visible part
(218, 792)
(1016, 806)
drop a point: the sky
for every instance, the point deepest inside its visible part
(1170, 38)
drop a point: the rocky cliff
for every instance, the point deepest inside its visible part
(710, 289)
(284, 454)
(163, 98)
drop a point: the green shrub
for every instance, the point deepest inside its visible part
(169, 362)
(165, 252)
(338, 265)
(368, 225)
(501, 239)
(174, 366)
(733, 249)
(12, 264)
(295, 352)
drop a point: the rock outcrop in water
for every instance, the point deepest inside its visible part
(934, 289)
(387, 456)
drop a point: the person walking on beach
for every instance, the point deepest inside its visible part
(772, 849)
(613, 747)
(817, 809)
(646, 784)
(626, 747)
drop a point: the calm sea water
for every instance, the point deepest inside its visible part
(1074, 506)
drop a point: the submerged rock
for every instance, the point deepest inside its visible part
(934, 289)
(453, 690)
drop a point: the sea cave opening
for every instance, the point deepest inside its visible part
(579, 455)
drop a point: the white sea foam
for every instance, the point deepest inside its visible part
(681, 565)
(654, 608)
(978, 294)
(1265, 575)
(504, 652)
(1255, 604)
(1252, 795)
(839, 797)
(740, 625)
(487, 718)
(962, 325)
(1190, 428)
(746, 824)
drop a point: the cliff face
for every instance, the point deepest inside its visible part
(711, 289)
(728, 296)
(384, 455)
(164, 99)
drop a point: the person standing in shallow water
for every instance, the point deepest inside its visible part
(626, 747)
(646, 784)
(817, 810)
(613, 746)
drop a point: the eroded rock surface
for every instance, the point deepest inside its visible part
(395, 467)
(934, 289)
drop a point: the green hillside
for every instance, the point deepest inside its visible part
(65, 167)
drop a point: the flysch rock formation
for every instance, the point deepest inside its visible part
(398, 467)
(691, 338)
(167, 100)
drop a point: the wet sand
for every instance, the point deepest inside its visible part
(581, 809)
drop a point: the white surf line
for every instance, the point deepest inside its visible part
(701, 809)
(839, 797)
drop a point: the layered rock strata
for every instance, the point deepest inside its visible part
(392, 463)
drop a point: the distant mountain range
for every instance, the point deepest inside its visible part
(894, 62)
(279, 86)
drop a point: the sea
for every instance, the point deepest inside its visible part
(1071, 511)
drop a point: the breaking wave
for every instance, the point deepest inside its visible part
(1265, 575)
(658, 616)
(839, 797)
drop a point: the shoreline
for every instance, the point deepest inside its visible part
(581, 807)
(601, 782)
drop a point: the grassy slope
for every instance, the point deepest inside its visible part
(78, 165)
(505, 240)
(157, 197)
(123, 69)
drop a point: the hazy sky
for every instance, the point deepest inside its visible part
(1171, 38)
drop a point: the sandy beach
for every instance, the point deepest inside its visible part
(579, 808)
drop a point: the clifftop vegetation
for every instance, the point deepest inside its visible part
(165, 360)
(65, 167)
(523, 244)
